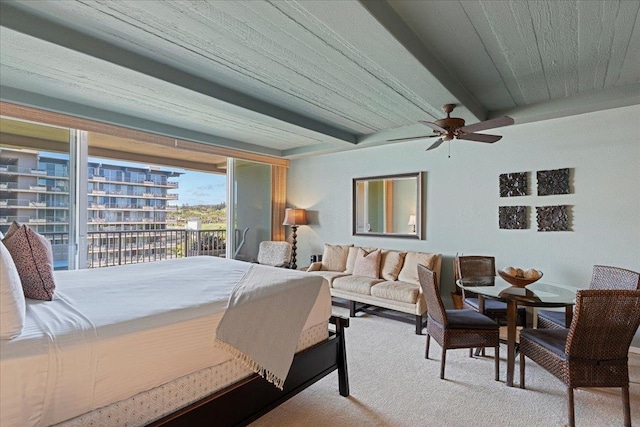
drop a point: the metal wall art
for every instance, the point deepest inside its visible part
(553, 218)
(513, 184)
(553, 182)
(512, 217)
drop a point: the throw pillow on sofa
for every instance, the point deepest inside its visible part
(367, 264)
(334, 257)
(409, 272)
(351, 257)
(390, 264)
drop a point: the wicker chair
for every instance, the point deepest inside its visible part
(480, 266)
(603, 277)
(593, 352)
(456, 328)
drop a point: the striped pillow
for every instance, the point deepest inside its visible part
(33, 257)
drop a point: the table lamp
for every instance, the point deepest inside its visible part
(294, 218)
(412, 222)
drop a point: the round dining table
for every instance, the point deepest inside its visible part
(537, 294)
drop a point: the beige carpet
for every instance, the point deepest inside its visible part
(392, 384)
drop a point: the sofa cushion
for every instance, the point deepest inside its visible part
(367, 264)
(390, 264)
(396, 291)
(409, 271)
(334, 257)
(356, 284)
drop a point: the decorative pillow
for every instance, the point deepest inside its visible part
(334, 257)
(33, 257)
(12, 229)
(409, 272)
(367, 264)
(12, 304)
(351, 257)
(391, 263)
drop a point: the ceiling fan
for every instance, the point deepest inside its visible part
(454, 128)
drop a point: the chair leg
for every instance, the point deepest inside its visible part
(626, 406)
(521, 370)
(426, 352)
(572, 417)
(442, 362)
(471, 352)
(497, 359)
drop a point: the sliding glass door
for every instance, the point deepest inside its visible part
(36, 184)
(249, 213)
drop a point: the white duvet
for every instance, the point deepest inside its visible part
(113, 332)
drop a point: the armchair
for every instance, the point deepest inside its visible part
(603, 277)
(276, 254)
(456, 328)
(593, 352)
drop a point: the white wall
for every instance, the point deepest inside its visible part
(461, 195)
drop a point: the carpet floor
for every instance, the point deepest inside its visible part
(392, 384)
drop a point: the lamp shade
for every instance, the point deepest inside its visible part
(412, 220)
(295, 217)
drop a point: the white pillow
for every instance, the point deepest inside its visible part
(12, 302)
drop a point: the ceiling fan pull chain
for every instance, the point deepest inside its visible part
(449, 144)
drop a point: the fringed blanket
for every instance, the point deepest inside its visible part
(265, 316)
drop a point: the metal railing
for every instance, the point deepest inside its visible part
(109, 248)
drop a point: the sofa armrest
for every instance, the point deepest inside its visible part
(315, 266)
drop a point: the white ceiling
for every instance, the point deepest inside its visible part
(303, 77)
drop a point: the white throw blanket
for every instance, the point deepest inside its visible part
(265, 316)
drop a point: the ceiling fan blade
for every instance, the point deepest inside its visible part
(433, 126)
(435, 144)
(480, 137)
(488, 124)
(413, 138)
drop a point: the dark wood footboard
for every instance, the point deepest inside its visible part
(245, 401)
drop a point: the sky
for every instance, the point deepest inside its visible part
(197, 188)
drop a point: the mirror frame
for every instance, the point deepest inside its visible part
(418, 208)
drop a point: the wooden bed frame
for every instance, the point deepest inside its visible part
(247, 400)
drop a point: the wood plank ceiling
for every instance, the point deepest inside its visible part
(298, 78)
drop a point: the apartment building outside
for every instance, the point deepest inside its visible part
(127, 206)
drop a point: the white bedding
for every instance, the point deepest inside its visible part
(113, 332)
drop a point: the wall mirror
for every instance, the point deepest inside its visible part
(388, 205)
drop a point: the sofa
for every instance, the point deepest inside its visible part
(372, 278)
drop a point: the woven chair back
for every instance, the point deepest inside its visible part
(605, 277)
(471, 266)
(604, 324)
(435, 307)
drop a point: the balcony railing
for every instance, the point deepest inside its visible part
(12, 169)
(13, 186)
(108, 248)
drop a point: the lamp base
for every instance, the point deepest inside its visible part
(294, 241)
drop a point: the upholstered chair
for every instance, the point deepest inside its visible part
(456, 328)
(593, 351)
(603, 277)
(276, 254)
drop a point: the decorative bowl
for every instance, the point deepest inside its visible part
(520, 282)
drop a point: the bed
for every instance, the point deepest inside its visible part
(135, 345)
